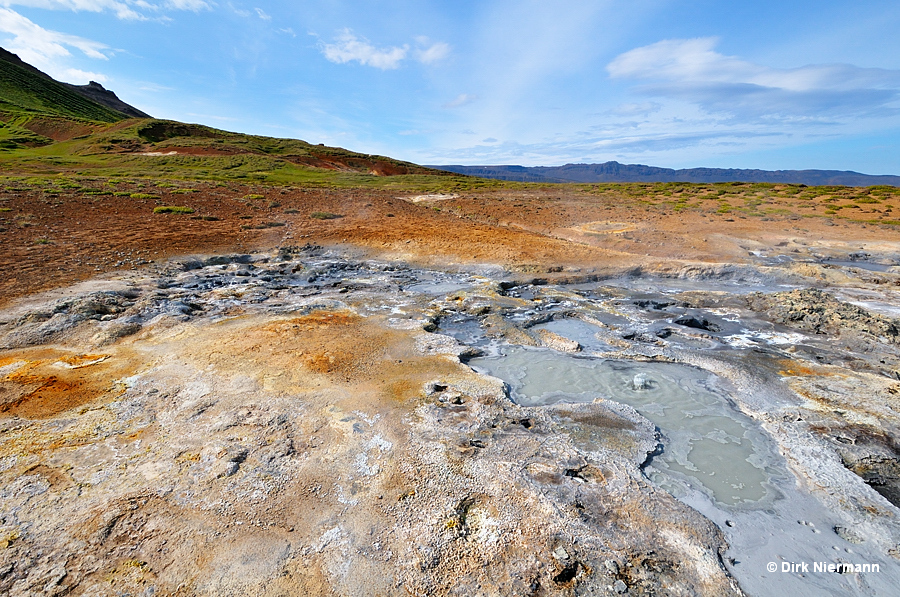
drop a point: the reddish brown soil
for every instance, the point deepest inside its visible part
(59, 129)
(53, 238)
(50, 381)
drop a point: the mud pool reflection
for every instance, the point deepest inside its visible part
(706, 440)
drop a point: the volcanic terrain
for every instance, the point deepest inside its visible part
(235, 365)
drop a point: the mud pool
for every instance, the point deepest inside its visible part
(706, 441)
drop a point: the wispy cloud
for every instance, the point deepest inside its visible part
(131, 10)
(635, 109)
(429, 53)
(47, 49)
(460, 100)
(691, 70)
(348, 47)
(262, 14)
(640, 147)
(191, 5)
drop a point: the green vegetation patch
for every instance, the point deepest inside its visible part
(173, 209)
(143, 196)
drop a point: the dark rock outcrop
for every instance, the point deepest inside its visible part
(95, 91)
(819, 312)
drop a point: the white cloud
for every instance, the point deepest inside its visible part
(262, 14)
(121, 9)
(460, 100)
(126, 10)
(348, 48)
(191, 5)
(47, 49)
(428, 53)
(690, 69)
(83, 76)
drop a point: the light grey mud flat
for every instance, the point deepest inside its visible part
(306, 423)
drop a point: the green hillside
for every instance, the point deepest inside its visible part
(25, 92)
(47, 128)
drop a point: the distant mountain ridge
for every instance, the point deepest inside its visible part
(616, 172)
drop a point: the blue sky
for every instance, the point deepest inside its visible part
(773, 85)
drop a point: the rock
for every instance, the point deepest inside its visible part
(113, 332)
(611, 567)
(820, 312)
(697, 323)
(557, 342)
(620, 587)
(848, 534)
(657, 305)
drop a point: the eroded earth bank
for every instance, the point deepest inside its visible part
(417, 402)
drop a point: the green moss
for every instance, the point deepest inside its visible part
(172, 209)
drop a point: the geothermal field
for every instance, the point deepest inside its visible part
(235, 365)
(465, 389)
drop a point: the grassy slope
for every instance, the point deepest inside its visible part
(120, 150)
(23, 92)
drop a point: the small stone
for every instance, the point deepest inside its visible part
(848, 535)
(612, 568)
(560, 554)
(729, 523)
(620, 587)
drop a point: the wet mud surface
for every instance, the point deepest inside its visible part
(534, 417)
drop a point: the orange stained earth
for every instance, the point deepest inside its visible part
(42, 382)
